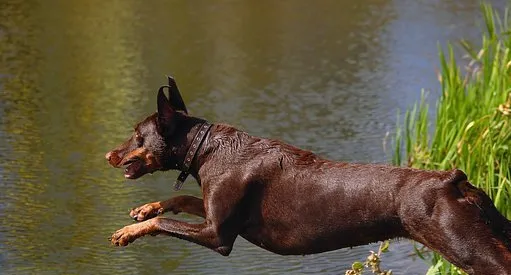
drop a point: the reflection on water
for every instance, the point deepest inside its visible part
(76, 75)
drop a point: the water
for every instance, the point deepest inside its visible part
(75, 76)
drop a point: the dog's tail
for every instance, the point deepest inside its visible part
(499, 224)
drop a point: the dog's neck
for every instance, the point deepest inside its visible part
(214, 141)
(202, 131)
(188, 152)
(221, 139)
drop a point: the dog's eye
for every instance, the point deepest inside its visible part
(139, 139)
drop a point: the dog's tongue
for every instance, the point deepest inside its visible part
(133, 170)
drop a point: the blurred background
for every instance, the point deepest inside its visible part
(75, 76)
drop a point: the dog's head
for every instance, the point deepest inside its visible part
(150, 146)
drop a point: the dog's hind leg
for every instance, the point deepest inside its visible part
(187, 204)
(462, 227)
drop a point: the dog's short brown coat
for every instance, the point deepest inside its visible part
(291, 201)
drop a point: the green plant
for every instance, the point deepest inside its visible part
(373, 262)
(472, 128)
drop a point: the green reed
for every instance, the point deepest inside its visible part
(472, 129)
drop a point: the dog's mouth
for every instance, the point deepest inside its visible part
(134, 168)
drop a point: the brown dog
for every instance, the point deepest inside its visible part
(290, 201)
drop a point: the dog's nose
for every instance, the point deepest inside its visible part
(108, 155)
(113, 158)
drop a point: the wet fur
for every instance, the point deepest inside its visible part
(291, 201)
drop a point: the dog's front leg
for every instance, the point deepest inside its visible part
(203, 234)
(186, 204)
(223, 220)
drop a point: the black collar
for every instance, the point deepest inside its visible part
(190, 155)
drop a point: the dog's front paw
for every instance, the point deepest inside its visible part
(124, 236)
(146, 211)
(130, 233)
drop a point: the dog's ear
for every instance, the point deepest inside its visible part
(166, 114)
(176, 101)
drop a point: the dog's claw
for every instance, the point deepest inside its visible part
(121, 237)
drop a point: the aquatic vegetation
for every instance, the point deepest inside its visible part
(372, 262)
(472, 125)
